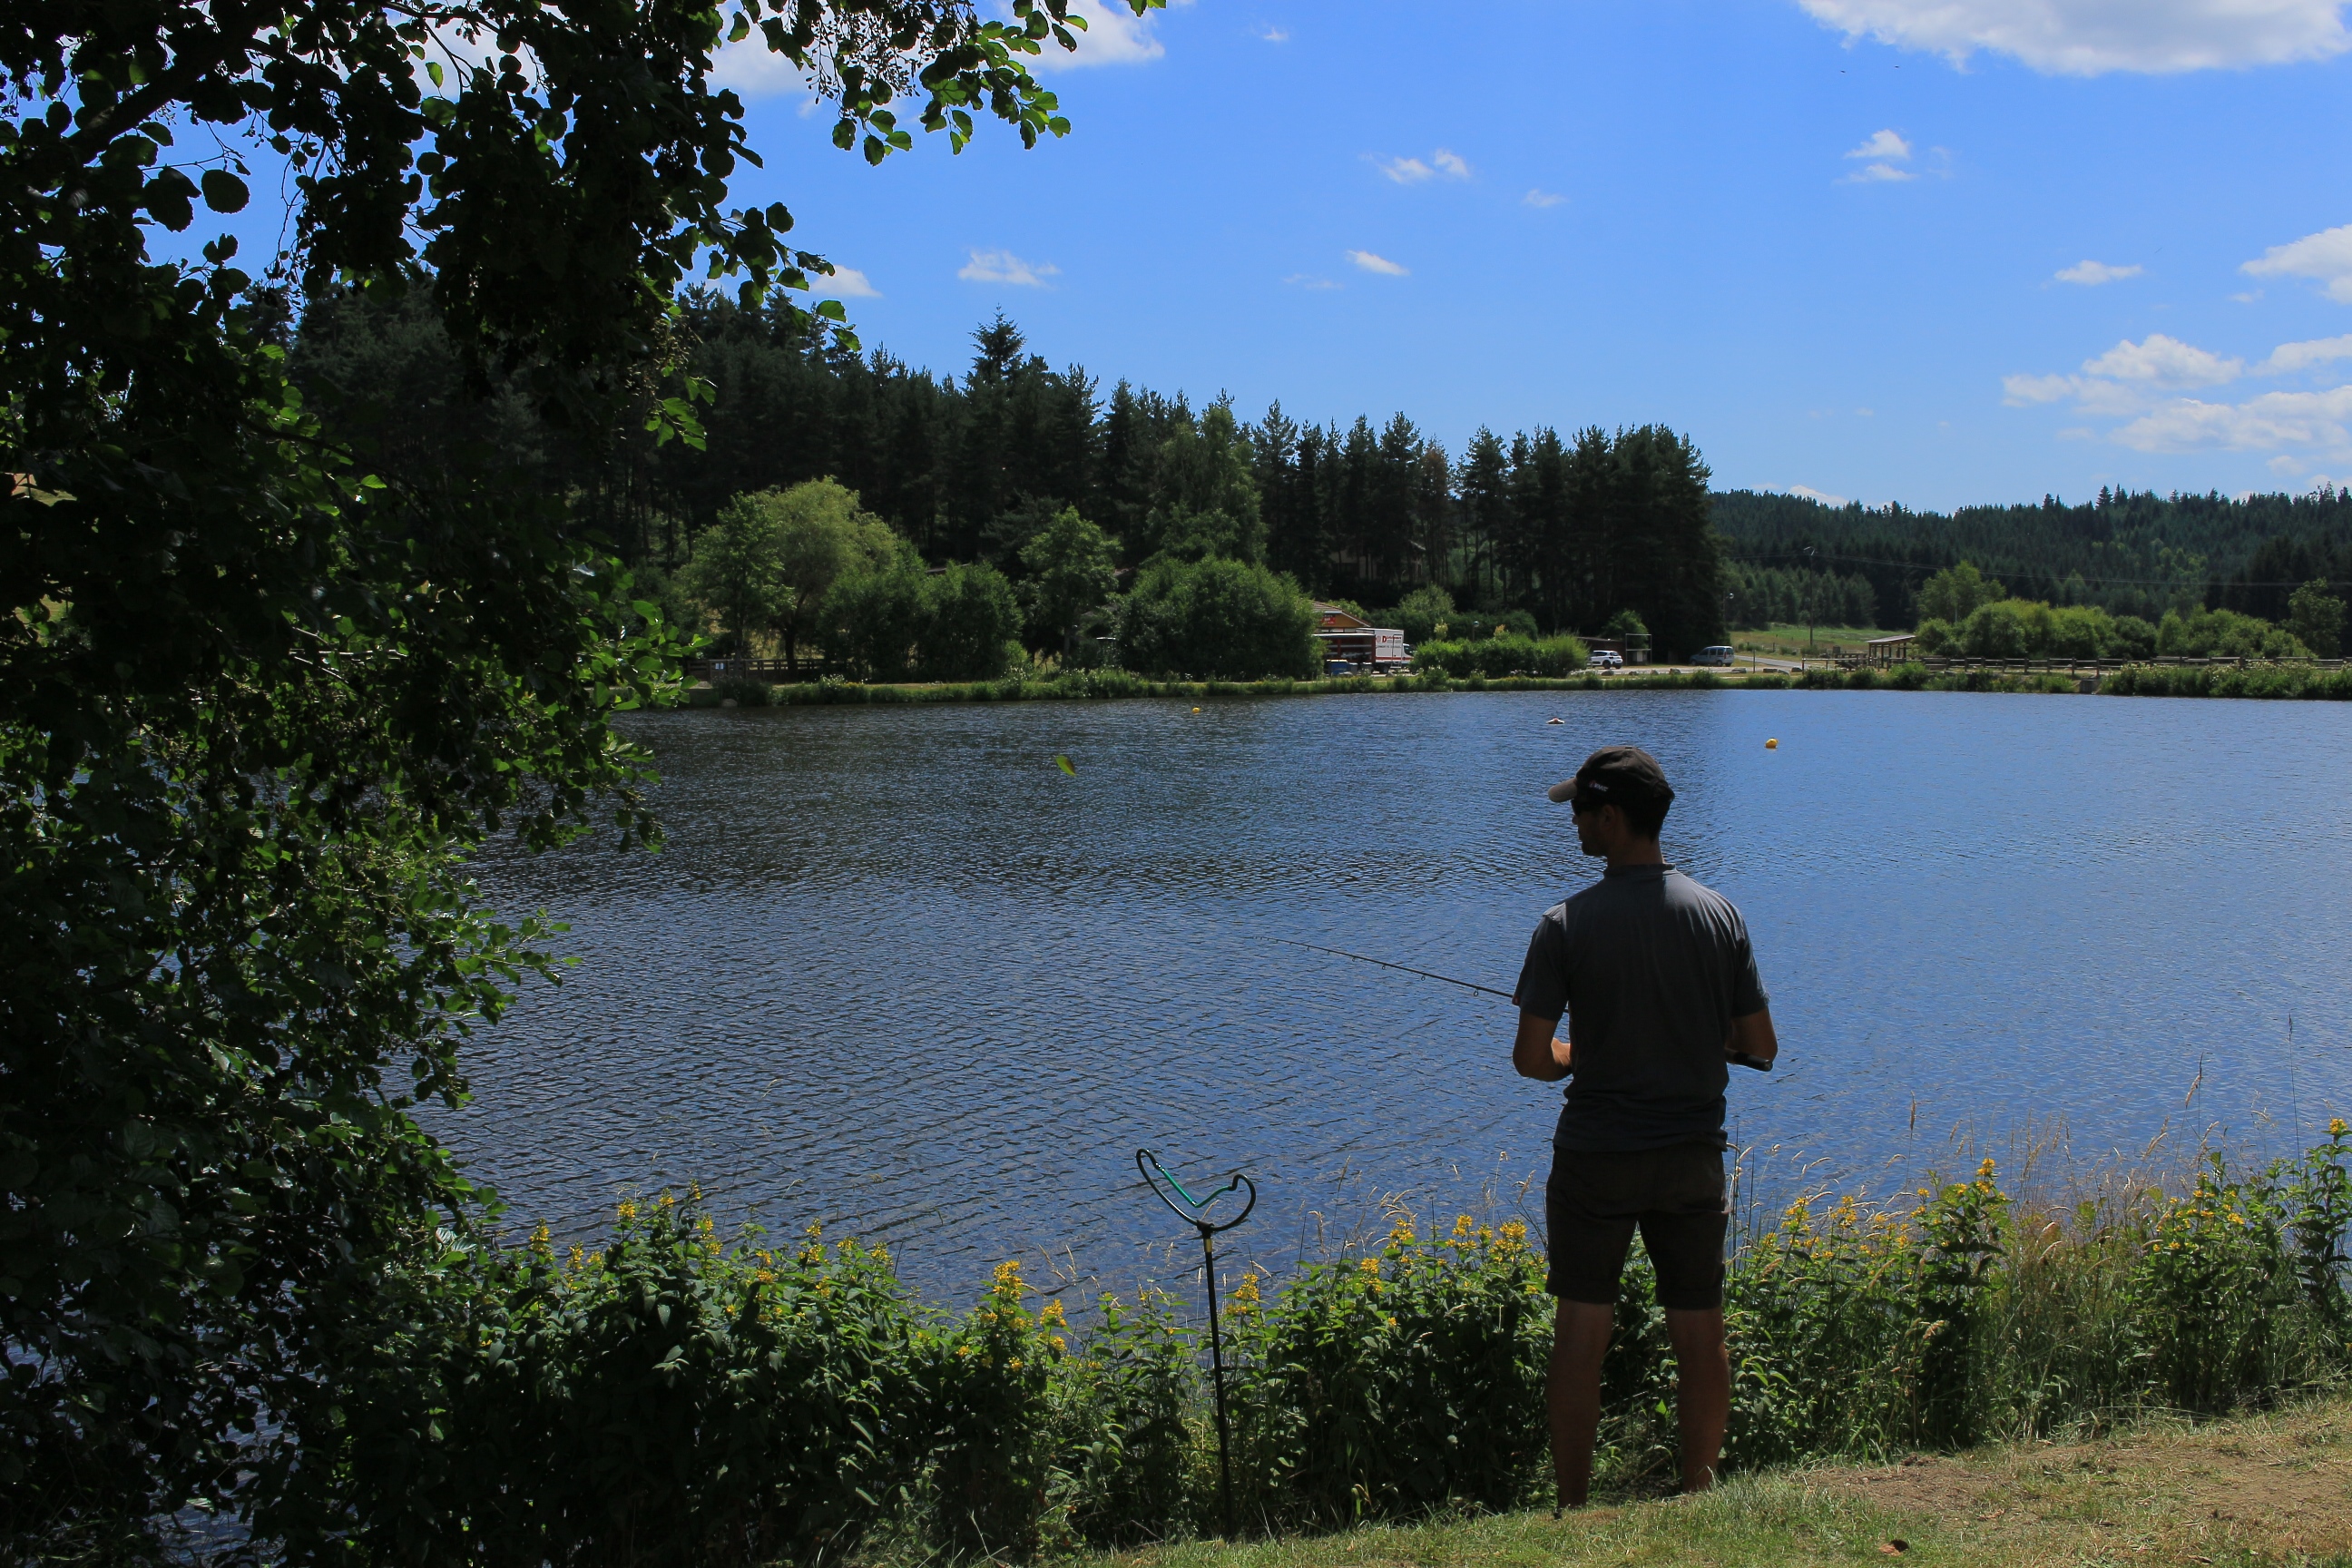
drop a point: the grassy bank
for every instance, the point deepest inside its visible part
(2270, 681)
(2273, 1488)
(1091, 685)
(677, 1397)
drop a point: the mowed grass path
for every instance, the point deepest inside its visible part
(2272, 1490)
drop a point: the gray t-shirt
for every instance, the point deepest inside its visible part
(1650, 969)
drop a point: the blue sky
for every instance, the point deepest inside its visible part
(1934, 251)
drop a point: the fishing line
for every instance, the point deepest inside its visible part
(1740, 1057)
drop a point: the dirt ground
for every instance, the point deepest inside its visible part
(2271, 1489)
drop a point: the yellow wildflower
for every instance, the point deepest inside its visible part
(764, 1276)
(2336, 1128)
(1392, 1322)
(1463, 1227)
(669, 1200)
(627, 1211)
(1061, 1346)
(1370, 1266)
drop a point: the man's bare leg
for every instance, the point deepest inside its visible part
(1573, 1394)
(1703, 1393)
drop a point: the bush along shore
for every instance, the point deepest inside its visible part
(2258, 680)
(678, 1396)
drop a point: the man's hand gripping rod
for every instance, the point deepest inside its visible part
(1741, 1057)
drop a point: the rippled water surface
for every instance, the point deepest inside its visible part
(897, 972)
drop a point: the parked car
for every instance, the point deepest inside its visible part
(1720, 654)
(1603, 659)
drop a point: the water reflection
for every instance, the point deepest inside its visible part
(898, 974)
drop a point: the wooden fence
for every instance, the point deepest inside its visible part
(2085, 666)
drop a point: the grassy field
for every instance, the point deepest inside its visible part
(1783, 638)
(2270, 1490)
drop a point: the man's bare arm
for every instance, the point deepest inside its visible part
(1537, 1053)
(1753, 1036)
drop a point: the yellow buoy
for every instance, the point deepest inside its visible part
(1771, 746)
(1196, 710)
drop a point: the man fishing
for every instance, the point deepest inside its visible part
(1658, 985)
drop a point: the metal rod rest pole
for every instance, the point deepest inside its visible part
(1217, 1381)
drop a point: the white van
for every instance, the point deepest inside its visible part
(1718, 655)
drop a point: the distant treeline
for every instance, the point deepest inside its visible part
(2127, 554)
(1570, 528)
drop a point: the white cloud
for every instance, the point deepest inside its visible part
(1114, 35)
(2162, 361)
(1541, 198)
(1003, 267)
(2289, 357)
(1311, 280)
(2310, 420)
(1883, 144)
(1809, 493)
(2020, 390)
(1877, 174)
(1412, 170)
(1380, 264)
(2143, 383)
(754, 70)
(2128, 379)
(2091, 274)
(2325, 257)
(847, 283)
(1275, 36)
(2089, 37)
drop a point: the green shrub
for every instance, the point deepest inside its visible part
(971, 626)
(743, 690)
(1216, 618)
(2225, 634)
(1395, 1383)
(2225, 680)
(675, 1398)
(1554, 658)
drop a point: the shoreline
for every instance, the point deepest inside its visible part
(2247, 681)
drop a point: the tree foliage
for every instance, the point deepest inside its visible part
(2138, 554)
(261, 695)
(1072, 570)
(1216, 619)
(765, 566)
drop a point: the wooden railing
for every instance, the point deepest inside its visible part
(769, 669)
(2087, 665)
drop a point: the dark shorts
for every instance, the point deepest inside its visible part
(1677, 1197)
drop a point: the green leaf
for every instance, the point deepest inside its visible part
(224, 192)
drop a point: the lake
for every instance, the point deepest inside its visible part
(898, 973)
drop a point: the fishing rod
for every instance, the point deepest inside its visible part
(1741, 1057)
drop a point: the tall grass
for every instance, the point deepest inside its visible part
(676, 1396)
(2270, 681)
